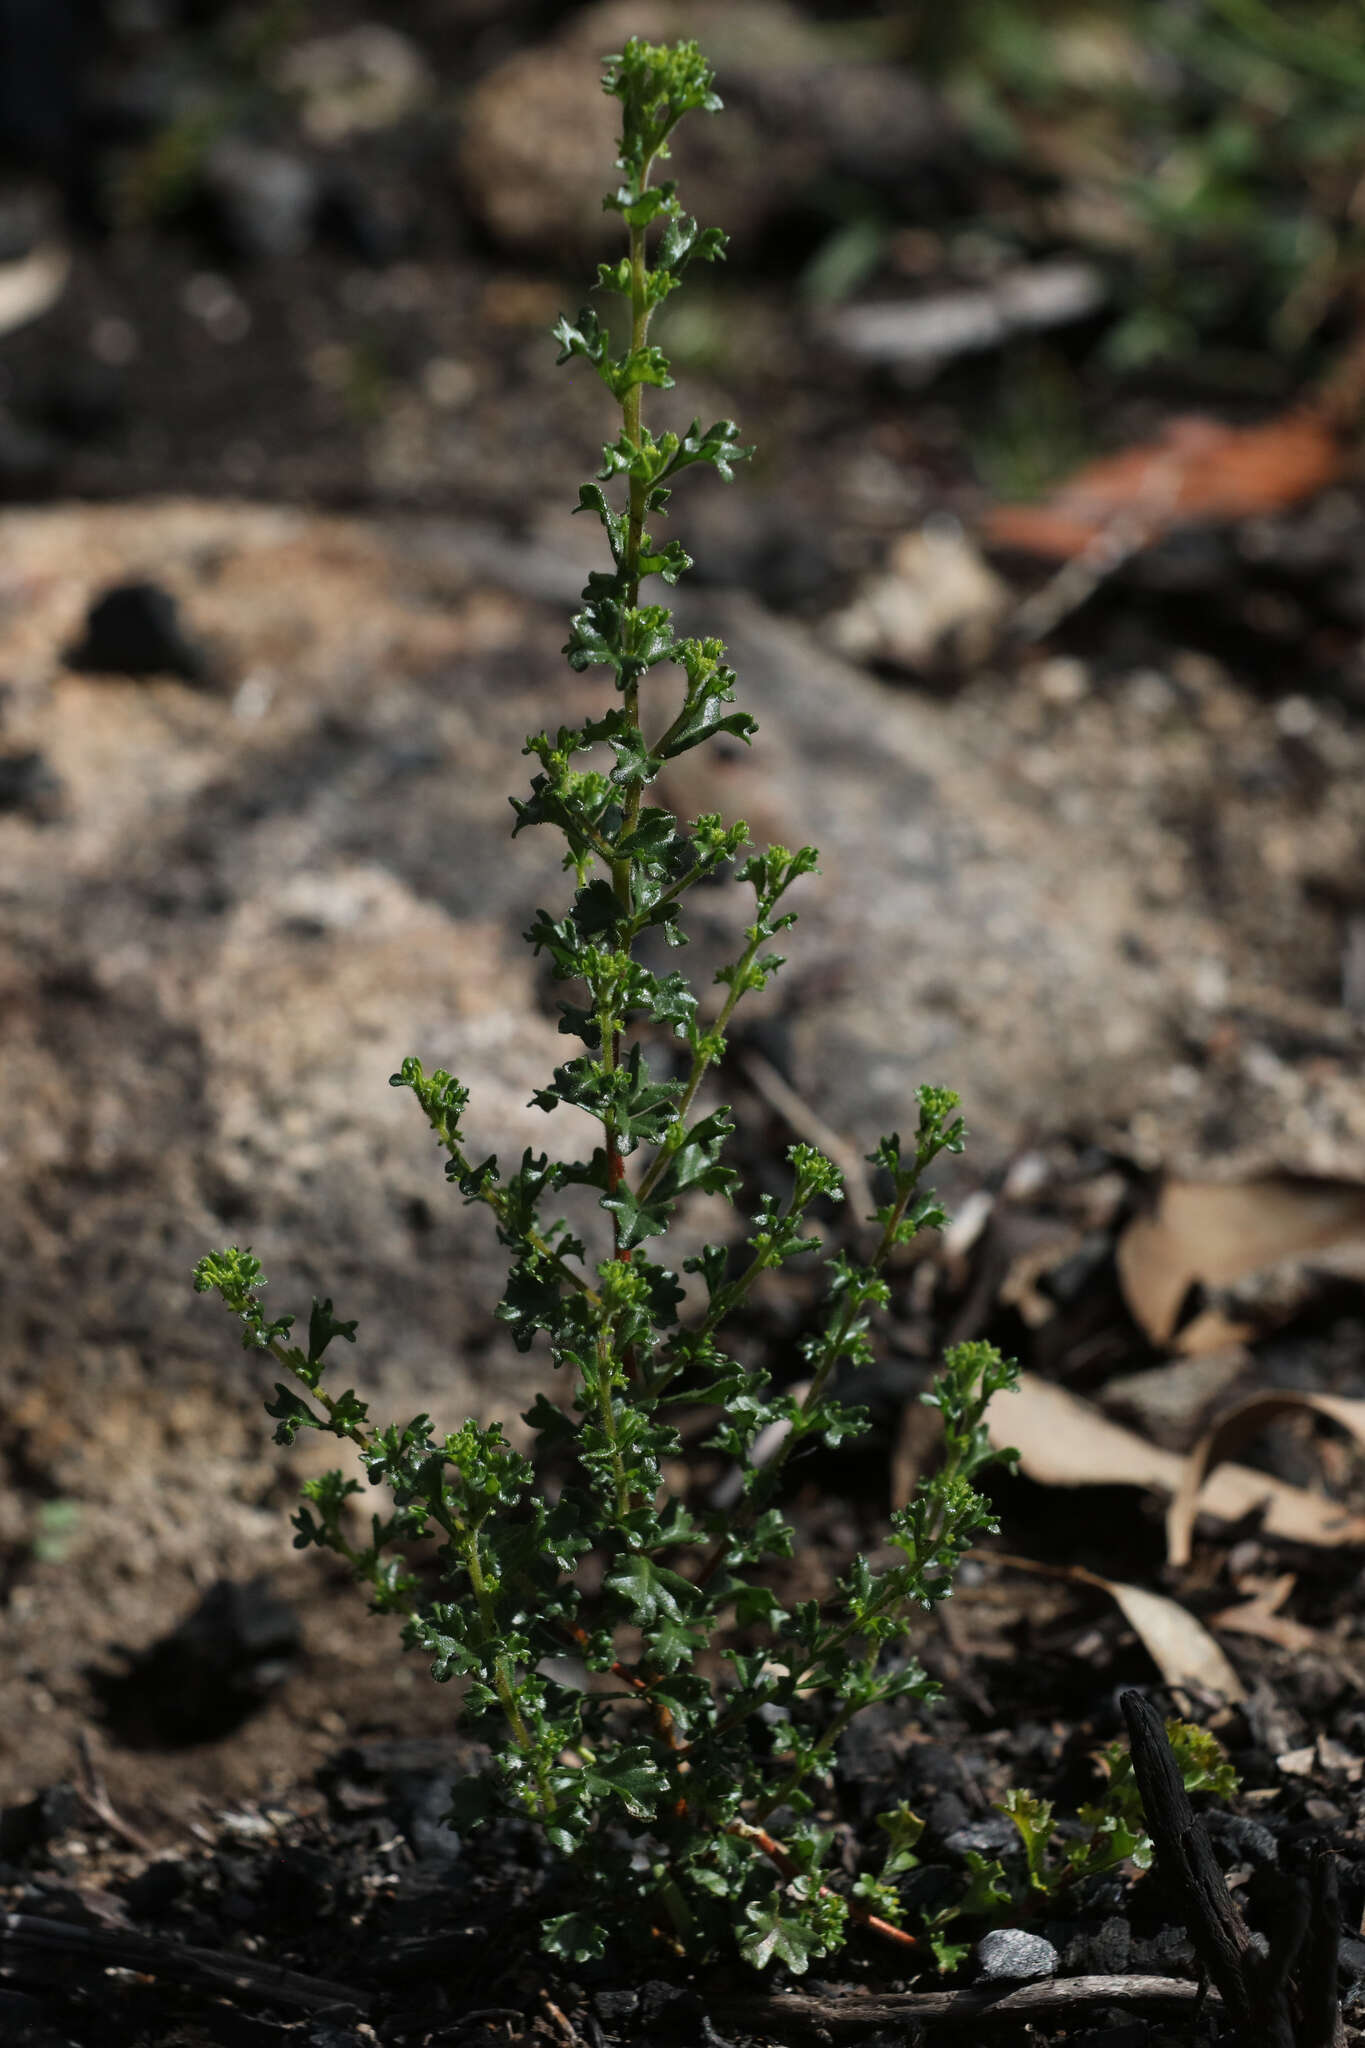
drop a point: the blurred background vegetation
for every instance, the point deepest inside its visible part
(303, 264)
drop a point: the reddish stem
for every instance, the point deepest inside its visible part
(858, 1911)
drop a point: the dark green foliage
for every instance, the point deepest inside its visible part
(658, 1772)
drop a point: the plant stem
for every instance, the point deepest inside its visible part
(621, 869)
(857, 1908)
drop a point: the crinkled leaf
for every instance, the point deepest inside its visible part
(575, 1936)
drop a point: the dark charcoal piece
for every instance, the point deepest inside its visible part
(28, 784)
(1237, 1839)
(134, 629)
(22, 2017)
(1278, 1995)
(420, 1805)
(265, 200)
(157, 1888)
(1102, 1951)
(349, 216)
(299, 1887)
(29, 458)
(1123, 2033)
(616, 2004)
(81, 401)
(946, 1815)
(209, 1675)
(994, 1836)
(52, 1812)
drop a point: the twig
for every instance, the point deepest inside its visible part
(30, 1947)
(564, 2026)
(779, 1095)
(857, 1909)
(94, 1795)
(1057, 1996)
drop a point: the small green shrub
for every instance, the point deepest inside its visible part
(697, 1710)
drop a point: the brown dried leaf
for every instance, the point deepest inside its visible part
(1181, 1648)
(1259, 1615)
(1198, 471)
(1237, 1427)
(1064, 1441)
(1220, 1232)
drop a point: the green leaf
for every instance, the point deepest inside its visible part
(683, 242)
(649, 1592)
(293, 1414)
(810, 1926)
(1032, 1817)
(629, 1774)
(323, 1326)
(949, 1955)
(988, 1891)
(578, 1937)
(586, 337)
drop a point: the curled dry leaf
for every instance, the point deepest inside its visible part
(1181, 1648)
(1237, 1427)
(1218, 1233)
(1198, 471)
(1064, 1441)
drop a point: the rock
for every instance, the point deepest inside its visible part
(134, 629)
(919, 335)
(1010, 1954)
(936, 600)
(363, 79)
(532, 145)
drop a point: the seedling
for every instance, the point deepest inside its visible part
(647, 1697)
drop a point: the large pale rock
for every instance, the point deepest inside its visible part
(1103, 912)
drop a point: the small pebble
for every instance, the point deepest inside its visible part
(1009, 1953)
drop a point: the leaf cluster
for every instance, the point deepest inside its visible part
(1052, 1858)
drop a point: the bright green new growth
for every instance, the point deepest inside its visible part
(1109, 1834)
(655, 1724)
